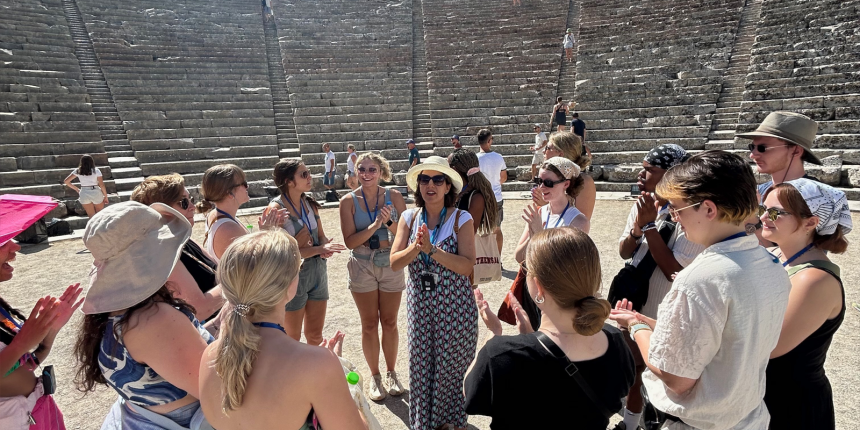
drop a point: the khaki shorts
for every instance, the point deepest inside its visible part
(91, 196)
(364, 276)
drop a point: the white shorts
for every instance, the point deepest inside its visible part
(91, 196)
(538, 158)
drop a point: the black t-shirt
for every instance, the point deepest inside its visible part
(518, 383)
(578, 126)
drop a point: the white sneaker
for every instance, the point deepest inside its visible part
(377, 392)
(394, 387)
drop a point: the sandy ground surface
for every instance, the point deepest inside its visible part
(42, 269)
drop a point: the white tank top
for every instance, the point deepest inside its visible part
(562, 220)
(350, 162)
(209, 243)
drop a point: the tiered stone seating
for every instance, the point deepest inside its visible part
(46, 120)
(806, 59)
(190, 82)
(348, 67)
(492, 65)
(650, 73)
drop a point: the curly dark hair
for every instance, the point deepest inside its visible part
(462, 160)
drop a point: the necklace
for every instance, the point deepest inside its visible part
(270, 325)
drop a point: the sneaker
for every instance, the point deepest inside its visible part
(394, 387)
(377, 392)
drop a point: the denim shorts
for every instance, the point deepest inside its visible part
(313, 283)
(328, 178)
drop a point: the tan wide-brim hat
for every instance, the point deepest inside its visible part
(791, 127)
(438, 164)
(134, 249)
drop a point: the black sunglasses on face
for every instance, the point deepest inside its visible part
(186, 202)
(241, 184)
(371, 170)
(762, 148)
(546, 182)
(438, 180)
(772, 213)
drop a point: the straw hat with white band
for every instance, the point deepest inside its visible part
(438, 164)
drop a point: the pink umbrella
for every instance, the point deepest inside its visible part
(18, 211)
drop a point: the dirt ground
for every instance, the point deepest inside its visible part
(49, 268)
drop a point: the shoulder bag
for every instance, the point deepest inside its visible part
(631, 282)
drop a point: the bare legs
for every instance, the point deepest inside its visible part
(379, 308)
(312, 316)
(93, 209)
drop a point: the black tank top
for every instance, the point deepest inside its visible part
(199, 265)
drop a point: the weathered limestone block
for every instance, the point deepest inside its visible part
(621, 172)
(8, 164)
(830, 172)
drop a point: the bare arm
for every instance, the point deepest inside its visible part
(476, 209)
(663, 256)
(330, 397)
(581, 222)
(68, 182)
(352, 238)
(399, 205)
(225, 235)
(102, 186)
(815, 297)
(503, 176)
(183, 286)
(587, 196)
(522, 245)
(402, 252)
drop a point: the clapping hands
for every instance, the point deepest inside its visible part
(383, 216)
(531, 215)
(422, 239)
(272, 218)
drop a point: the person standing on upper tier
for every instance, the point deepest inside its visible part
(559, 115)
(351, 156)
(92, 194)
(708, 349)
(568, 45)
(540, 144)
(494, 169)
(414, 156)
(807, 219)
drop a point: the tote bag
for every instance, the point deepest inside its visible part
(488, 263)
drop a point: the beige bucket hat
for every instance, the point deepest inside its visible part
(438, 164)
(134, 249)
(791, 127)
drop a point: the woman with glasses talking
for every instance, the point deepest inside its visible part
(368, 221)
(194, 279)
(568, 145)
(224, 188)
(437, 241)
(308, 307)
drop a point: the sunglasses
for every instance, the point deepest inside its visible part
(762, 148)
(241, 184)
(186, 202)
(305, 174)
(549, 148)
(371, 170)
(772, 213)
(438, 180)
(546, 182)
(675, 212)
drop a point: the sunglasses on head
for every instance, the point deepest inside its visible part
(762, 148)
(546, 182)
(772, 213)
(186, 202)
(438, 180)
(371, 170)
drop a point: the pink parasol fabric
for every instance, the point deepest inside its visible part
(18, 211)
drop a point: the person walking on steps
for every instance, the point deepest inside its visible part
(559, 114)
(568, 42)
(368, 222)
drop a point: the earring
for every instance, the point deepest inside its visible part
(539, 300)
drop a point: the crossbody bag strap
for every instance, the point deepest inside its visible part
(457, 221)
(572, 371)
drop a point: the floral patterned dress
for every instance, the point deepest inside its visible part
(442, 335)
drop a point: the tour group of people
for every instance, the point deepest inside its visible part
(720, 319)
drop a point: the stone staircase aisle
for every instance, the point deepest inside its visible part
(124, 166)
(725, 121)
(285, 127)
(567, 73)
(421, 125)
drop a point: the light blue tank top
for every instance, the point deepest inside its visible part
(364, 219)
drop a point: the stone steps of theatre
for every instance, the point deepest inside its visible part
(440, 103)
(476, 119)
(251, 133)
(56, 190)
(355, 118)
(367, 104)
(603, 146)
(197, 123)
(361, 146)
(443, 138)
(350, 110)
(193, 166)
(37, 137)
(193, 106)
(21, 178)
(156, 156)
(392, 155)
(385, 134)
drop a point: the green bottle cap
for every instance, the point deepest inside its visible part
(352, 378)
(250, 227)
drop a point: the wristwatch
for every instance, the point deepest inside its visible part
(432, 251)
(388, 223)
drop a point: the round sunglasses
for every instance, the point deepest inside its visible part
(772, 213)
(186, 202)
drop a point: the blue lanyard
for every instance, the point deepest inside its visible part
(375, 210)
(9, 317)
(302, 213)
(734, 236)
(560, 217)
(795, 256)
(270, 325)
(435, 233)
(228, 216)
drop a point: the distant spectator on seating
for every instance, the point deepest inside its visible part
(708, 349)
(559, 115)
(193, 277)
(414, 156)
(308, 308)
(330, 167)
(578, 127)
(455, 140)
(808, 220)
(224, 188)
(493, 167)
(648, 221)
(780, 145)
(568, 42)
(540, 144)
(92, 193)
(517, 3)
(255, 361)
(136, 337)
(568, 145)
(351, 156)
(530, 371)
(267, 10)
(26, 341)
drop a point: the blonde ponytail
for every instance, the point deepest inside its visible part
(255, 273)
